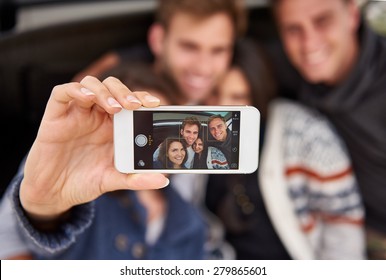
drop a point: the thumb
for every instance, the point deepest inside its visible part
(119, 181)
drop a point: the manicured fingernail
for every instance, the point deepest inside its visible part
(132, 99)
(113, 103)
(167, 182)
(86, 91)
(150, 98)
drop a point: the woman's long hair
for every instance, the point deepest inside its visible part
(164, 148)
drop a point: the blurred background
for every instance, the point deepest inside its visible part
(45, 43)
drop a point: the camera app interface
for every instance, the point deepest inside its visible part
(186, 140)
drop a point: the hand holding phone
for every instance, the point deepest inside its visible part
(187, 139)
(71, 161)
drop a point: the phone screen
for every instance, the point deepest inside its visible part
(186, 139)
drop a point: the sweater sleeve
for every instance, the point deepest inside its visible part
(11, 244)
(53, 242)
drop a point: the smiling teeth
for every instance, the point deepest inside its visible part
(198, 82)
(315, 57)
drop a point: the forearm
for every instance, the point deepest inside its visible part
(55, 236)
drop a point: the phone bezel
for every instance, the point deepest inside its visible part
(249, 133)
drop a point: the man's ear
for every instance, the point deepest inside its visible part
(355, 14)
(155, 38)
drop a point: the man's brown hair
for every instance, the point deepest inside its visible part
(235, 9)
(211, 118)
(191, 121)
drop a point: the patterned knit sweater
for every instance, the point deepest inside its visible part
(305, 160)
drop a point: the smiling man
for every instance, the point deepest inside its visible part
(193, 43)
(190, 128)
(219, 130)
(320, 37)
(343, 64)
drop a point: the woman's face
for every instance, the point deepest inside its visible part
(198, 146)
(176, 154)
(234, 89)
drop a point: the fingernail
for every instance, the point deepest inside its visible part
(113, 103)
(167, 183)
(150, 98)
(86, 91)
(132, 99)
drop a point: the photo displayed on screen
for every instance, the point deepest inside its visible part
(186, 140)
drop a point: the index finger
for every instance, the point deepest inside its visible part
(130, 99)
(62, 95)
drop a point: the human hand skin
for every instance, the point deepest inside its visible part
(71, 160)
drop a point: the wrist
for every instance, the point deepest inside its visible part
(42, 216)
(47, 223)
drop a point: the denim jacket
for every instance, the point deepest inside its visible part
(114, 227)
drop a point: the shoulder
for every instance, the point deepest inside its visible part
(301, 120)
(296, 114)
(181, 211)
(157, 164)
(216, 158)
(308, 137)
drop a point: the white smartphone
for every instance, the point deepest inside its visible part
(187, 139)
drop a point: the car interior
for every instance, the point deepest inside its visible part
(46, 42)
